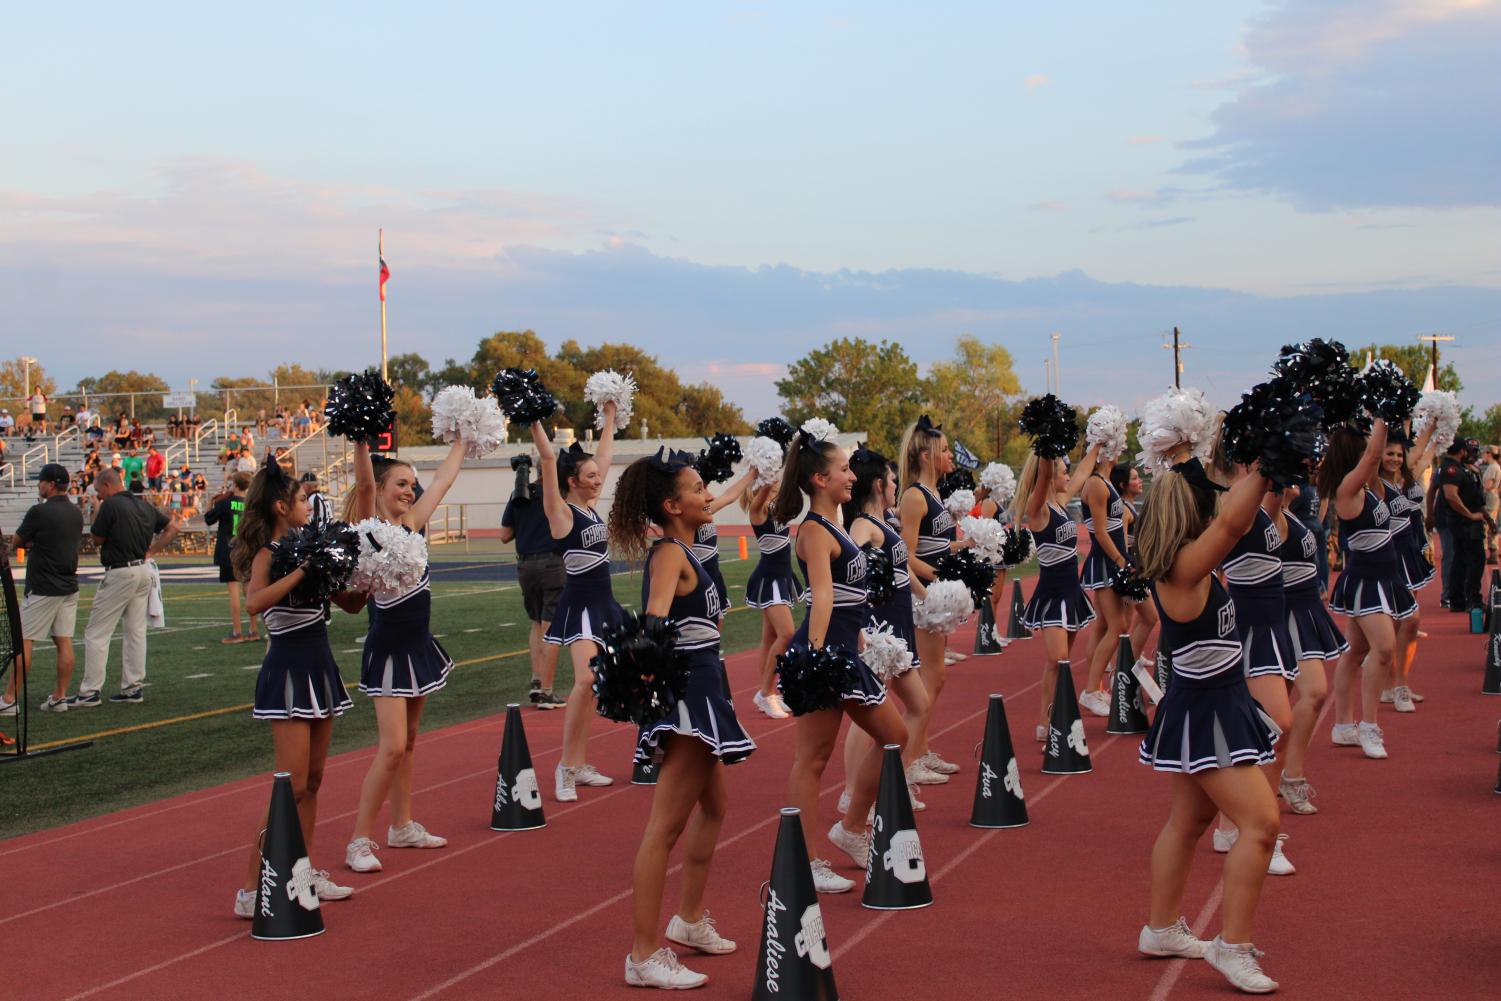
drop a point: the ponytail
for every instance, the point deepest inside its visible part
(258, 524)
(643, 488)
(871, 470)
(806, 458)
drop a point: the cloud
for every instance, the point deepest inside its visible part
(1145, 140)
(1036, 80)
(1177, 220)
(1134, 196)
(1048, 206)
(1230, 81)
(1355, 103)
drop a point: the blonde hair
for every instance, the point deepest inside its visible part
(1025, 484)
(1170, 520)
(382, 470)
(1221, 469)
(914, 446)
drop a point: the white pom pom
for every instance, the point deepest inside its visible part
(765, 456)
(885, 653)
(1107, 428)
(988, 536)
(960, 503)
(1000, 481)
(946, 604)
(1176, 418)
(392, 559)
(1441, 409)
(602, 387)
(819, 429)
(460, 415)
(449, 408)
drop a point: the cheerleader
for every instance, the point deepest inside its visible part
(774, 589)
(298, 688)
(1404, 496)
(1315, 638)
(994, 506)
(571, 486)
(1126, 479)
(1104, 519)
(929, 532)
(1371, 590)
(873, 495)
(706, 541)
(699, 737)
(834, 568)
(1208, 731)
(1058, 607)
(402, 664)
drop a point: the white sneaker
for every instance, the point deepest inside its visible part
(919, 774)
(1387, 696)
(1371, 742)
(1413, 695)
(412, 835)
(918, 806)
(1174, 940)
(933, 763)
(1298, 795)
(1402, 698)
(1279, 864)
(1239, 964)
(856, 846)
(826, 880)
(1345, 735)
(52, 705)
(327, 889)
(771, 705)
(245, 904)
(1095, 703)
(7, 708)
(588, 775)
(563, 784)
(662, 970)
(1225, 840)
(1042, 733)
(360, 856)
(700, 935)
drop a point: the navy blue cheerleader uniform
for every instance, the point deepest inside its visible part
(1207, 717)
(1097, 566)
(896, 613)
(703, 711)
(1416, 570)
(298, 678)
(1372, 581)
(849, 614)
(706, 548)
(587, 606)
(1314, 633)
(1058, 602)
(935, 530)
(772, 581)
(401, 659)
(1254, 572)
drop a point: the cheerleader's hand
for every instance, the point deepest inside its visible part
(964, 543)
(608, 408)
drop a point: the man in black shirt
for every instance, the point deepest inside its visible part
(1463, 505)
(539, 570)
(51, 533)
(129, 531)
(319, 511)
(225, 513)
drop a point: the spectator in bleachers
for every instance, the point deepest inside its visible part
(7, 423)
(38, 412)
(134, 468)
(122, 432)
(156, 466)
(246, 462)
(66, 420)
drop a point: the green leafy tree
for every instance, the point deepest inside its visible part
(103, 390)
(1484, 428)
(859, 386)
(705, 411)
(13, 375)
(669, 408)
(411, 370)
(973, 396)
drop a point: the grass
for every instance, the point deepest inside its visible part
(482, 626)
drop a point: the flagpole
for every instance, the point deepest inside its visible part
(381, 249)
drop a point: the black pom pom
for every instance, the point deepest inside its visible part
(1278, 428)
(1322, 370)
(1017, 548)
(958, 479)
(328, 559)
(1052, 425)
(778, 430)
(359, 407)
(639, 675)
(522, 397)
(716, 463)
(1128, 582)
(811, 680)
(880, 576)
(1386, 392)
(962, 565)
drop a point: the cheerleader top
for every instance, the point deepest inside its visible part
(895, 548)
(288, 614)
(586, 547)
(1253, 566)
(1299, 555)
(936, 528)
(1205, 652)
(1415, 499)
(1114, 512)
(847, 568)
(1368, 536)
(1399, 505)
(706, 545)
(1057, 544)
(697, 612)
(773, 541)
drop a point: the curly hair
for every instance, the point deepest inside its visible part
(639, 495)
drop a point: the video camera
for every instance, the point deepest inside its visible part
(521, 465)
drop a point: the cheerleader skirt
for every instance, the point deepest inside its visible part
(1095, 573)
(1058, 602)
(1315, 634)
(584, 612)
(1198, 727)
(401, 658)
(702, 712)
(299, 678)
(1266, 645)
(897, 613)
(844, 630)
(1416, 570)
(1380, 590)
(772, 585)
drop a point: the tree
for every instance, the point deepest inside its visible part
(972, 396)
(414, 418)
(858, 386)
(13, 384)
(667, 407)
(1486, 428)
(705, 411)
(1414, 360)
(411, 370)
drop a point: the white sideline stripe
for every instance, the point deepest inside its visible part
(191, 677)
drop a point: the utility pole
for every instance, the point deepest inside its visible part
(1047, 375)
(1057, 368)
(1433, 340)
(1177, 348)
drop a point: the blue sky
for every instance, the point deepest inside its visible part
(195, 190)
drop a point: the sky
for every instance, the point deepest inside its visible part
(193, 191)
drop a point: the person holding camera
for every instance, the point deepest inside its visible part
(539, 570)
(1463, 504)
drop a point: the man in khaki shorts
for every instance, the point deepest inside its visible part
(51, 533)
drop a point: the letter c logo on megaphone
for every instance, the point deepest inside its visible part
(525, 792)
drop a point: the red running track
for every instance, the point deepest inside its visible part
(1395, 896)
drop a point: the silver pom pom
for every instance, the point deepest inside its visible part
(392, 559)
(602, 387)
(1107, 428)
(1439, 408)
(960, 503)
(946, 604)
(765, 456)
(989, 538)
(459, 415)
(819, 429)
(885, 653)
(1176, 418)
(1000, 481)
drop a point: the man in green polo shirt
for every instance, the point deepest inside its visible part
(134, 469)
(225, 513)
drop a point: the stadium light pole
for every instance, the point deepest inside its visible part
(26, 364)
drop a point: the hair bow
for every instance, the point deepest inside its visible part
(927, 427)
(1192, 470)
(671, 460)
(864, 454)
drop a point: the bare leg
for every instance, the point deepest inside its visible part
(884, 725)
(580, 708)
(816, 734)
(1173, 851)
(537, 650)
(1110, 626)
(1243, 795)
(1407, 647)
(65, 661)
(1381, 635)
(234, 606)
(681, 784)
(703, 838)
(1056, 644)
(776, 633)
(1271, 691)
(294, 742)
(1347, 676)
(1312, 689)
(401, 789)
(934, 672)
(391, 723)
(1143, 622)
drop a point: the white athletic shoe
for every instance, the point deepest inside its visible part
(327, 889)
(700, 935)
(1371, 742)
(1239, 964)
(360, 856)
(1413, 695)
(662, 970)
(771, 705)
(1095, 703)
(918, 806)
(563, 784)
(1402, 698)
(856, 846)
(52, 705)
(245, 904)
(7, 708)
(1279, 864)
(1224, 840)
(1175, 940)
(1042, 733)
(919, 774)
(826, 880)
(1387, 696)
(412, 835)
(1298, 795)
(588, 775)
(933, 763)
(1345, 735)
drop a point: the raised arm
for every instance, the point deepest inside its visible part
(1082, 471)
(1349, 495)
(364, 483)
(1037, 501)
(559, 518)
(732, 492)
(1237, 513)
(761, 502)
(606, 450)
(448, 471)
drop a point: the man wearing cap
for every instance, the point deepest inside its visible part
(51, 533)
(7, 423)
(1463, 506)
(319, 512)
(129, 531)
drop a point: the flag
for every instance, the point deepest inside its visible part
(964, 458)
(385, 272)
